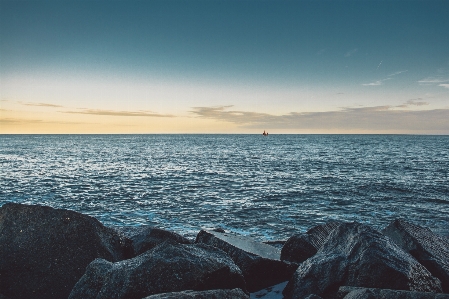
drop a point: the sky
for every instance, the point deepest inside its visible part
(303, 67)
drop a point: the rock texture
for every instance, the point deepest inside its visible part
(430, 249)
(169, 267)
(369, 293)
(357, 255)
(300, 247)
(45, 251)
(212, 294)
(147, 237)
(260, 263)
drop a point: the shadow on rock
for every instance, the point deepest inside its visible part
(169, 267)
(45, 251)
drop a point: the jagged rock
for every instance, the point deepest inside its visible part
(211, 294)
(313, 296)
(147, 237)
(300, 247)
(357, 255)
(45, 251)
(168, 267)
(260, 263)
(430, 249)
(347, 292)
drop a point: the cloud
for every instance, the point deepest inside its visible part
(351, 52)
(444, 85)
(376, 83)
(41, 105)
(380, 82)
(375, 118)
(397, 73)
(15, 121)
(118, 113)
(433, 80)
(413, 102)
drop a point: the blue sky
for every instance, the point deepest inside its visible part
(224, 66)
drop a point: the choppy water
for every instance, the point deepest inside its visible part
(267, 187)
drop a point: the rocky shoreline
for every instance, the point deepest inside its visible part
(54, 253)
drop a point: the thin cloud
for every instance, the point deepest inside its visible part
(41, 105)
(363, 118)
(376, 83)
(433, 80)
(444, 85)
(118, 113)
(351, 52)
(413, 102)
(14, 121)
(397, 73)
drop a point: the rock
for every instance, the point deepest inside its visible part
(276, 243)
(313, 296)
(211, 294)
(260, 263)
(357, 255)
(45, 251)
(346, 292)
(147, 237)
(272, 292)
(168, 267)
(430, 249)
(300, 247)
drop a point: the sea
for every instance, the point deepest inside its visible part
(266, 187)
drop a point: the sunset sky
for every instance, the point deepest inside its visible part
(224, 66)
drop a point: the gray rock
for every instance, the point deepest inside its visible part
(346, 292)
(211, 294)
(430, 249)
(357, 255)
(300, 247)
(45, 251)
(260, 263)
(168, 267)
(276, 243)
(147, 237)
(313, 296)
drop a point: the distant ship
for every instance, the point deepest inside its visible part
(265, 133)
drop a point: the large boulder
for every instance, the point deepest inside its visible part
(300, 247)
(430, 249)
(168, 267)
(147, 237)
(357, 255)
(45, 251)
(347, 292)
(259, 262)
(211, 294)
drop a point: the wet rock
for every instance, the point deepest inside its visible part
(357, 255)
(147, 237)
(313, 296)
(260, 263)
(212, 294)
(300, 247)
(430, 249)
(168, 267)
(45, 251)
(346, 292)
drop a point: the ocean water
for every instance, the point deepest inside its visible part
(266, 187)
